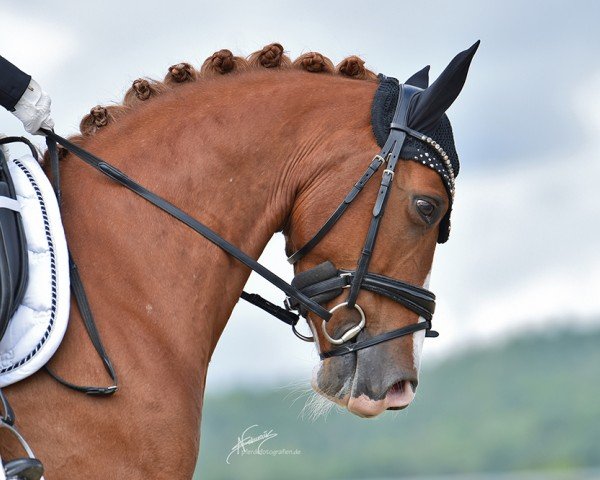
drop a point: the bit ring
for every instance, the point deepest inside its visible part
(352, 332)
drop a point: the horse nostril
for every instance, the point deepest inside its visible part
(414, 384)
(400, 395)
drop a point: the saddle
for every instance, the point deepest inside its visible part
(13, 248)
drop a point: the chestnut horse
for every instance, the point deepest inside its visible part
(251, 153)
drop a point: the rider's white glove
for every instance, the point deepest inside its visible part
(34, 109)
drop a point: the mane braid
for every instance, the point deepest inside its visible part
(222, 62)
(314, 62)
(180, 73)
(143, 89)
(99, 117)
(271, 56)
(354, 67)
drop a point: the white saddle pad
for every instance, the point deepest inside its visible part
(39, 323)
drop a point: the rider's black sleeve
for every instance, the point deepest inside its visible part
(13, 83)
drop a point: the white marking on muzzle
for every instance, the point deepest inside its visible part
(419, 337)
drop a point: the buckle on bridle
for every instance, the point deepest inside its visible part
(389, 172)
(346, 275)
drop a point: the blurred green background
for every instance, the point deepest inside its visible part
(531, 404)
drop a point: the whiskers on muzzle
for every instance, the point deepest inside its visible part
(315, 405)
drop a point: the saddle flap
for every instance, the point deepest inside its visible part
(13, 249)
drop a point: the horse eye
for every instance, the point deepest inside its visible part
(426, 209)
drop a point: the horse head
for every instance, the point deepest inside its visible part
(371, 270)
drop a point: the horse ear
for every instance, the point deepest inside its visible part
(430, 104)
(419, 79)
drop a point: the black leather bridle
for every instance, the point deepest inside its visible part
(324, 282)
(308, 289)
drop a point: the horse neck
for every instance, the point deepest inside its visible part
(235, 158)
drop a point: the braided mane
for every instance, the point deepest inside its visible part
(222, 62)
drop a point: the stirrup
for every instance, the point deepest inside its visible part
(21, 468)
(24, 469)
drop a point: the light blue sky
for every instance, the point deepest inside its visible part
(524, 248)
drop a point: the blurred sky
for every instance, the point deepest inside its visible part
(524, 251)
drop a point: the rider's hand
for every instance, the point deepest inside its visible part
(33, 109)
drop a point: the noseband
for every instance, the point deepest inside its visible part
(324, 282)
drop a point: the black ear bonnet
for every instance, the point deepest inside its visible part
(382, 112)
(426, 115)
